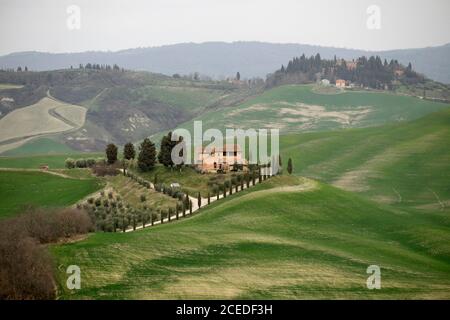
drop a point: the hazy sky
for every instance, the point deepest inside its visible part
(41, 25)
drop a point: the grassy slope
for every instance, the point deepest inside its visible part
(41, 189)
(56, 161)
(190, 99)
(39, 146)
(270, 244)
(408, 162)
(264, 110)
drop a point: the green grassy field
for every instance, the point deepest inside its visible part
(55, 161)
(404, 164)
(286, 238)
(21, 188)
(191, 99)
(40, 146)
(300, 108)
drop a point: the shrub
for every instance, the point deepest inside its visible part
(90, 200)
(90, 162)
(143, 198)
(110, 195)
(26, 268)
(80, 163)
(177, 194)
(70, 163)
(102, 170)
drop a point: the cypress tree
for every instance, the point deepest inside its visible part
(111, 153)
(289, 166)
(165, 153)
(128, 151)
(199, 200)
(147, 155)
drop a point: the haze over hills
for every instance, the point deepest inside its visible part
(221, 59)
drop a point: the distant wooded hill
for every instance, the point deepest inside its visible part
(369, 72)
(219, 59)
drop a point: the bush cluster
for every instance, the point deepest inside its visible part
(81, 163)
(104, 169)
(26, 268)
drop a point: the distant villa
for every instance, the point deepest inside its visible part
(219, 159)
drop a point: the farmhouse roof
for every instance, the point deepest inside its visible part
(226, 147)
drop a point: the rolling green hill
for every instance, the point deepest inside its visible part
(286, 238)
(406, 164)
(304, 108)
(22, 188)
